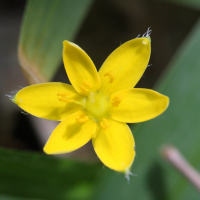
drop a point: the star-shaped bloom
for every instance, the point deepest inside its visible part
(97, 105)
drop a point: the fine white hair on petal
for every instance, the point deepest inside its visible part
(13, 93)
(24, 112)
(138, 36)
(147, 33)
(128, 174)
(9, 96)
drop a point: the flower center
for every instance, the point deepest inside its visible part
(97, 106)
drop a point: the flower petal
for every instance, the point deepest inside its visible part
(125, 66)
(80, 69)
(115, 146)
(42, 100)
(70, 134)
(137, 105)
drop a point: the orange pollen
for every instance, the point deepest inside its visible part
(82, 119)
(104, 124)
(116, 101)
(110, 75)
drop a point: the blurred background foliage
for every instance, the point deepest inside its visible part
(99, 27)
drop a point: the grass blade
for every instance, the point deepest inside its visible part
(45, 25)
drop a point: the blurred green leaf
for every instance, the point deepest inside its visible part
(179, 126)
(8, 197)
(45, 25)
(195, 4)
(3, 197)
(25, 175)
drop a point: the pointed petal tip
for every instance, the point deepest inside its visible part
(13, 99)
(128, 173)
(65, 41)
(146, 41)
(149, 38)
(65, 44)
(68, 43)
(167, 101)
(45, 149)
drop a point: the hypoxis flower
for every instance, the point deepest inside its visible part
(97, 106)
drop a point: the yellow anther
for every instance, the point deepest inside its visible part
(63, 94)
(104, 124)
(84, 88)
(116, 101)
(64, 98)
(87, 84)
(110, 75)
(82, 119)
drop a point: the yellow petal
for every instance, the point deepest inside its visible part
(114, 145)
(125, 66)
(80, 69)
(42, 100)
(137, 105)
(71, 134)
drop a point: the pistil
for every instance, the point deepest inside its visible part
(97, 106)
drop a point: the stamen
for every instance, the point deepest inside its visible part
(66, 100)
(104, 124)
(116, 101)
(110, 75)
(84, 88)
(81, 103)
(87, 83)
(62, 97)
(82, 119)
(63, 94)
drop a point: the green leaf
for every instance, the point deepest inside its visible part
(45, 25)
(3, 197)
(178, 126)
(26, 175)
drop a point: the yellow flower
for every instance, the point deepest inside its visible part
(97, 106)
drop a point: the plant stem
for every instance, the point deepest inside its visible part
(174, 157)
